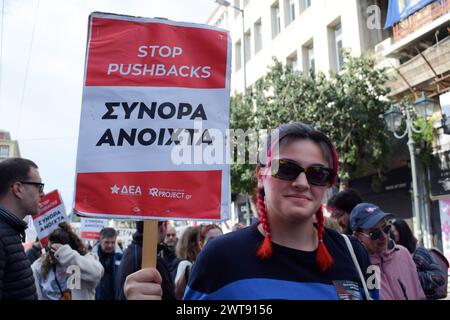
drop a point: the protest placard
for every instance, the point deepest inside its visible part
(90, 228)
(51, 213)
(155, 112)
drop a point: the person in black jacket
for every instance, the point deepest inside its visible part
(110, 256)
(132, 259)
(21, 189)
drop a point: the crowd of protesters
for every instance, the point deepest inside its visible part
(292, 251)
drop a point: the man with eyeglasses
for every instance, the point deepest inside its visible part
(398, 275)
(21, 189)
(167, 250)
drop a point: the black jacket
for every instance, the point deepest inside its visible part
(16, 276)
(170, 257)
(131, 262)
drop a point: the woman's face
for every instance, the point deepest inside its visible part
(294, 200)
(212, 234)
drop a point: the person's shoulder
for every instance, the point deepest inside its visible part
(338, 237)
(3, 223)
(332, 233)
(422, 251)
(400, 253)
(401, 250)
(235, 239)
(131, 249)
(91, 256)
(6, 229)
(183, 264)
(36, 265)
(358, 248)
(118, 255)
(236, 243)
(130, 255)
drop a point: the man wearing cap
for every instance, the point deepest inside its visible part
(398, 275)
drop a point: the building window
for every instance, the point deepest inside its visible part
(292, 61)
(237, 54)
(336, 46)
(276, 20)
(258, 36)
(248, 45)
(4, 151)
(304, 4)
(290, 10)
(309, 63)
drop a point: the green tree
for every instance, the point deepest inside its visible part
(349, 110)
(241, 118)
(346, 106)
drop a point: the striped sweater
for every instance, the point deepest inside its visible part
(228, 269)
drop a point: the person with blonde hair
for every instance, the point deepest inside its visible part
(187, 249)
(208, 232)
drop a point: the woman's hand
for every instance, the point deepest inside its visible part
(54, 247)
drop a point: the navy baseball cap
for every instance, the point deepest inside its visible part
(366, 216)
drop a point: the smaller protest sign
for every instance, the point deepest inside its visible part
(90, 228)
(51, 214)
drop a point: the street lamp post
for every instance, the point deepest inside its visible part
(228, 4)
(393, 117)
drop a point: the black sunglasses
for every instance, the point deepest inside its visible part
(375, 235)
(37, 184)
(289, 170)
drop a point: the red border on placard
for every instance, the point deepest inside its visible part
(115, 41)
(52, 197)
(44, 242)
(90, 235)
(171, 194)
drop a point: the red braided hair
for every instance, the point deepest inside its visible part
(265, 249)
(323, 258)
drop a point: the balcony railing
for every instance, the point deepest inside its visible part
(420, 18)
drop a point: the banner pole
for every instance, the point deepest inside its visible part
(149, 244)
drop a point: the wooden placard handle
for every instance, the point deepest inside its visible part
(149, 244)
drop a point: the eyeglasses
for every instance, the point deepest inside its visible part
(37, 184)
(375, 235)
(289, 170)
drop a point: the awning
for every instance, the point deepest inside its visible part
(399, 10)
